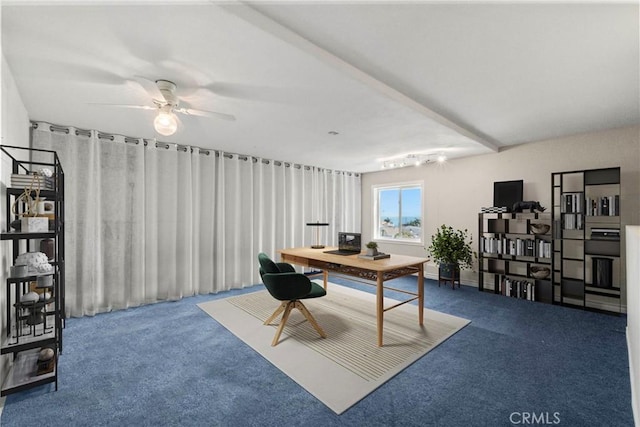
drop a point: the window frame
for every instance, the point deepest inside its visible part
(375, 194)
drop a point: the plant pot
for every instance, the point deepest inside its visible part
(372, 252)
(449, 271)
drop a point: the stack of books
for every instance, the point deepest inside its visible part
(494, 209)
(30, 180)
(379, 255)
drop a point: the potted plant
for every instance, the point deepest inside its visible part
(451, 250)
(372, 249)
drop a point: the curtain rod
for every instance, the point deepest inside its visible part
(35, 124)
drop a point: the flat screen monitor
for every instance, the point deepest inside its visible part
(506, 193)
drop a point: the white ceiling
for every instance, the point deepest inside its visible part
(392, 78)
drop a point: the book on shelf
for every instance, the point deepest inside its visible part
(530, 247)
(573, 222)
(523, 289)
(603, 206)
(572, 203)
(543, 249)
(516, 247)
(494, 209)
(379, 255)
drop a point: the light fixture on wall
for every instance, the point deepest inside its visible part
(166, 123)
(413, 160)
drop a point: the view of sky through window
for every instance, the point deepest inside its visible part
(399, 213)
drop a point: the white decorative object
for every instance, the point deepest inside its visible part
(30, 297)
(45, 296)
(35, 224)
(46, 172)
(45, 354)
(36, 261)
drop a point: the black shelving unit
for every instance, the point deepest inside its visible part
(586, 238)
(33, 326)
(514, 255)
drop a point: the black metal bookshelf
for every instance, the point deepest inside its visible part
(33, 327)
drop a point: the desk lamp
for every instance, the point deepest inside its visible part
(317, 244)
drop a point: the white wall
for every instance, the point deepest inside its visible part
(633, 315)
(14, 130)
(455, 191)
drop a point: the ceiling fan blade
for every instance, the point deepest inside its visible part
(151, 87)
(203, 113)
(141, 107)
(180, 125)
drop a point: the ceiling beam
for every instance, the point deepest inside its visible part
(254, 17)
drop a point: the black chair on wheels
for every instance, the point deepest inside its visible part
(286, 285)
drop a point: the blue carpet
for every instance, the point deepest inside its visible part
(170, 364)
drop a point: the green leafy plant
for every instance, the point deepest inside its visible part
(413, 223)
(372, 245)
(449, 246)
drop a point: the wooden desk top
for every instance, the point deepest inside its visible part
(386, 264)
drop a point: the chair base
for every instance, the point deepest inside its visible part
(286, 307)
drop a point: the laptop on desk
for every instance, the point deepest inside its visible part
(348, 244)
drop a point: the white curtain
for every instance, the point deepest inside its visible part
(149, 221)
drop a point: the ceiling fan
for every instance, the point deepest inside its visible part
(163, 94)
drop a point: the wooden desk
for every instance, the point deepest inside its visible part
(378, 271)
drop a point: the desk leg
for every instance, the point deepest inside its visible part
(421, 294)
(325, 278)
(379, 306)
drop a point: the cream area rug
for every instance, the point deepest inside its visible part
(343, 368)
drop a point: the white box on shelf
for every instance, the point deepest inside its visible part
(35, 224)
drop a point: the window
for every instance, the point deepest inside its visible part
(398, 213)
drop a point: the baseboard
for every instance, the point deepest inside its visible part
(635, 398)
(613, 308)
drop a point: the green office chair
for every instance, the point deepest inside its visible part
(286, 285)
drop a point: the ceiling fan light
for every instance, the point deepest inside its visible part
(165, 123)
